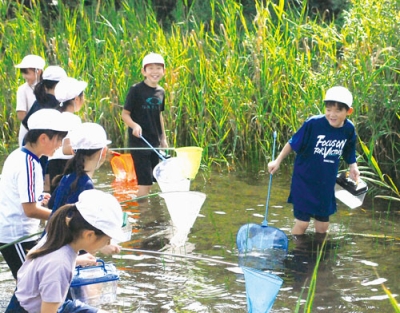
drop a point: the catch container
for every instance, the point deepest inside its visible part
(95, 285)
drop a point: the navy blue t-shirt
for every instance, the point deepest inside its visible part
(64, 194)
(319, 148)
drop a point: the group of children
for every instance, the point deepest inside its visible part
(81, 218)
(88, 219)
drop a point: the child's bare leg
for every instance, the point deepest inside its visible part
(321, 227)
(299, 227)
(143, 190)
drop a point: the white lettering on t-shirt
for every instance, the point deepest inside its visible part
(329, 147)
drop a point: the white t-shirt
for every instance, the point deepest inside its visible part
(73, 121)
(21, 182)
(46, 278)
(25, 100)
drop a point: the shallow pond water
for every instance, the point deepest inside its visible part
(355, 252)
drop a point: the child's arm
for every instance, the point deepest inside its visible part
(49, 307)
(163, 139)
(34, 210)
(136, 128)
(354, 172)
(274, 165)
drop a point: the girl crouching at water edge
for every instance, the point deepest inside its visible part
(44, 278)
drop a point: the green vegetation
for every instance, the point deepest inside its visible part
(232, 79)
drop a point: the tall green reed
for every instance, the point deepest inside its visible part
(230, 80)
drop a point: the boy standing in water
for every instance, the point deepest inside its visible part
(319, 144)
(142, 113)
(31, 68)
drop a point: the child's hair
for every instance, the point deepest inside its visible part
(340, 105)
(66, 225)
(64, 105)
(33, 134)
(75, 165)
(40, 89)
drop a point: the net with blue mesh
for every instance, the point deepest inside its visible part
(261, 289)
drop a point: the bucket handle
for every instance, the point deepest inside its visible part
(103, 265)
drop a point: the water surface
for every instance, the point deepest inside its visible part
(355, 252)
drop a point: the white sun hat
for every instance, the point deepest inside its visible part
(339, 94)
(153, 58)
(32, 61)
(69, 88)
(88, 136)
(48, 119)
(54, 72)
(102, 211)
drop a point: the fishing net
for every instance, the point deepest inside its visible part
(183, 207)
(192, 158)
(261, 289)
(170, 175)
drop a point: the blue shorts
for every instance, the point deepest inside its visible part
(306, 217)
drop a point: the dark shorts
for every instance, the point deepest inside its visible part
(145, 162)
(306, 217)
(15, 255)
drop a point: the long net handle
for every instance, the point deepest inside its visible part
(265, 223)
(152, 148)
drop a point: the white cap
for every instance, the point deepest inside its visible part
(54, 72)
(32, 61)
(153, 58)
(88, 136)
(48, 119)
(339, 94)
(69, 88)
(102, 211)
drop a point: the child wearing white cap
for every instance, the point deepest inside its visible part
(31, 68)
(142, 113)
(89, 141)
(70, 93)
(320, 143)
(45, 99)
(44, 91)
(45, 277)
(21, 186)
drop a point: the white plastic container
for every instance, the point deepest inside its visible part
(95, 285)
(349, 192)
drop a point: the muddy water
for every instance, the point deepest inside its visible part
(355, 252)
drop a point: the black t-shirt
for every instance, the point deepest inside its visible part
(145, 104)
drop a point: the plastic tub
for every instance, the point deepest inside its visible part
(95, 285)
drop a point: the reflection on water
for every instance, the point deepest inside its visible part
(346, 278)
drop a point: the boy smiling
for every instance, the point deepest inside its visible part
(142, 113)
(319, 144)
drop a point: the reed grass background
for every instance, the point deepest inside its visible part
(231, 79)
